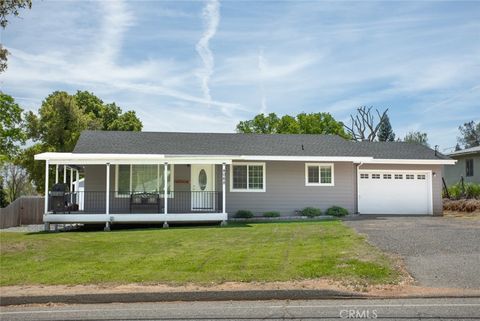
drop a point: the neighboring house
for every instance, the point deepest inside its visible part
(210, 176)
(467, 166)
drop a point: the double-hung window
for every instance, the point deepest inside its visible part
(247, 177)
(469, 167)
(142, 178)
(319, 174)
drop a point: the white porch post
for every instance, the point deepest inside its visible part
(165, 186)
(64, 174)
(71, 185)
(223, 188)
(165, 192)
(56, 174)
(77, 178)
(47, 163)
(107, 191)
(107, 199)
(47, 225)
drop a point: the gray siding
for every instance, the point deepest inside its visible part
(453, 173)
(286, 191)
(285, 188)
(437, 180)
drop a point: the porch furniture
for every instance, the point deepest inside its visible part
(145, 199)
(59, 195)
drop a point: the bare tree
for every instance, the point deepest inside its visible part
(16, 182)
(364, 125)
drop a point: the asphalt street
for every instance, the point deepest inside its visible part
(398, 309)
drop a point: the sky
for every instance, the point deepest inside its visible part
(203, 66)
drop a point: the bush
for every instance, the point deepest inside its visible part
(464, 205)
(271, 214)
(456, 191)
(337, 211)
(311, 212)
(244, 214)
(472, 190)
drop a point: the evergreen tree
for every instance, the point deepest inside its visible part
(385, 133)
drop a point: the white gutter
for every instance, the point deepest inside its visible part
(89, 158)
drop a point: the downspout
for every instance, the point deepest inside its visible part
(356, 178)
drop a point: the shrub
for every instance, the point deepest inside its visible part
(271, 214)
(311, 212)
(337, 211)
(456, 191)
(472, 190)
(244, 214)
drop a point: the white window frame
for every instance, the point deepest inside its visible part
(248, 189)
(159, 169)
(332, 167)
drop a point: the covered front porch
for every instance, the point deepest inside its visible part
(134, 188)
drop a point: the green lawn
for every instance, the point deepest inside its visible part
(240, 252)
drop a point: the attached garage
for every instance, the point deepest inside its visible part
(395, 192)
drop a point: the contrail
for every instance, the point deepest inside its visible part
(262, 66)
(211, 18)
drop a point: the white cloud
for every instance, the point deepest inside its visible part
(211, 18)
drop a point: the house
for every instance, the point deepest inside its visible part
(177, 177)
(467, 166)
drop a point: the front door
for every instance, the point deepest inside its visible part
(203, 187)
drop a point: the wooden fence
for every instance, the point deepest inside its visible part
(24, 210)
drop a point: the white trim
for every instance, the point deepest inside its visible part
(88, 158)
(47, 164)
(319, 165)
(138, 217)
(127, 159)
(107, 189)
(224, 169)
(414, 161)
(248, 190)
(165, 185)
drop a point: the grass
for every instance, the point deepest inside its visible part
(279, 251)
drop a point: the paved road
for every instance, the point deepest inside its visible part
(439, 252)
(412, 309)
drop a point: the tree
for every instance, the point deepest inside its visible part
(3, 195)
(11, 132)
(16, 182)
(260, 124)
(9, 7)
(457, 147)
(59, 123)
(364, 126)
(303, 123)
(126, 122)
(61, 119)
(416, 137)
(385, 132)
(36, 169)
(470, 134)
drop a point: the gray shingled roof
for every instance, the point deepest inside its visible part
(168, 143)
(472, 150)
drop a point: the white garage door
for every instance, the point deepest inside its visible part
(394, 192)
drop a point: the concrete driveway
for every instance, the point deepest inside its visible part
(438, 251)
